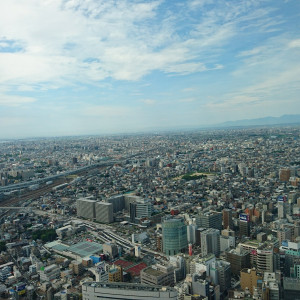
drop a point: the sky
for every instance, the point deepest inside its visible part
(75, 67)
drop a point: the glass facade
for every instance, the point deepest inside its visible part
(174, 236)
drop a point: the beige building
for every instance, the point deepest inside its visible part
(249, 278)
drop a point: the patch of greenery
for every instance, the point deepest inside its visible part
(189, 177)
(46, 235)
(2, 246)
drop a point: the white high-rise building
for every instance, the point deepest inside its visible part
(86, 208)
(104, 212)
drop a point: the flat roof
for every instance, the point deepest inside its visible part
(153, 272)
(86, 248)
(129, 286)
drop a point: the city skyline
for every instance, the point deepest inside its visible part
(98, 67)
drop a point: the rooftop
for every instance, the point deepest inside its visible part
(128, 286)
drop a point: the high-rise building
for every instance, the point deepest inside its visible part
(265, 259)
(227, 219)
(283, 207)
(244, 225)
(104, 212)
(144, 208)
(118, 202)
(121, 291)
(270, 286)
(239, 259)
(249, 279)
(174, 235)
(86, 208)
(220, 272)
(284, 174)
(210, 242)
(191, 233)
(212, 219)
(226, 242)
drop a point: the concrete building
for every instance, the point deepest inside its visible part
(239, 259)
(86, 208)
(76, 267)
(123, 291)
(244, 225)
(227, 219)
(265, 259)
(111, 249)
(200, 286)
(49, 273)
(212, 219)
(104, 212)
(220, 272)
(118, 202)
(158, 275)
(115, 274)
(174, 235)
(284, 174)
(270, 286)
(291, 288)
(226, 242)
(249, 278)
(210, 242)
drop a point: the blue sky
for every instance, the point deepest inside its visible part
(70, 67)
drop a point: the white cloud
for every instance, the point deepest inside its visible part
(12, 100)
(187, 100)
(294, 44)
(125, 40)
(106, 111)
(148, 101)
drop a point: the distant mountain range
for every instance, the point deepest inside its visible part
(285, 119)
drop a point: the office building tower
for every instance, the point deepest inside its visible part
(226, 242)
(239, 259)
(86, 208)
(244, 225)
(284, 174)
(144, 208)
(118, 203)
(104, 212)
(132, 212)
(249, 279)
(290, 252)
(291, 288)
(284, 234)
(210, 242)
(265, 257)
(282, 207)
(212, 219)
(121, 291)
(270, 286)
(227, 219)
(220, 273)
(174, 235)
(179, 265)
(191, 233)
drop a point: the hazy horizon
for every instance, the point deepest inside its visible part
(70, 67)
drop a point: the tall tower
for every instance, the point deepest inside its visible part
(227, 219)
(210, 242)
(174, 235)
